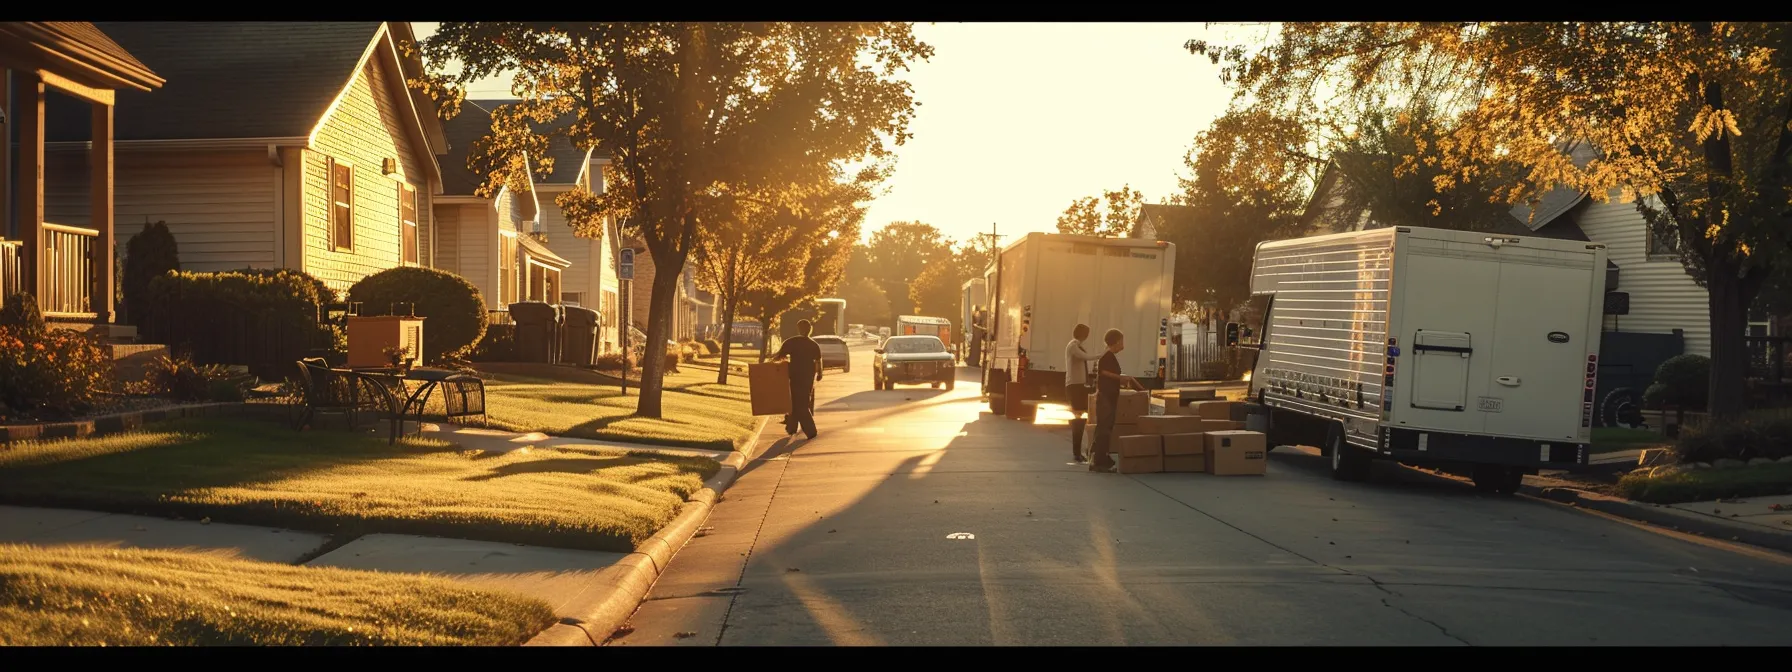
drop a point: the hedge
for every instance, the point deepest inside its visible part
(454, 314)
(265, 319)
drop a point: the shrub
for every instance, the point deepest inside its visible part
(266, 319)
(50, 374)
(20, 313)
(180, 378)
(150, 254)
(1758, 434)
(610, 362)
(324, 293)
(1683, 381)
(498, 344)
(455, 313)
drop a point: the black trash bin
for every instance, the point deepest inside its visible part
(579, 337)
(537, 331)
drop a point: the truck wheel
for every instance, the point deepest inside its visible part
(1348, 462)
(936, 386)
(950, 384)
(1621, 407)
(1498, 479)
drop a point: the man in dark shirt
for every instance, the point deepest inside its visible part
(1107, 399)
(805, 362)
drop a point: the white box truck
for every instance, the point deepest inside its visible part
(1466, 351)
(1043, 285)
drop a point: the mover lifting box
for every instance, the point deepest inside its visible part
(1131, 406)
(1186, 453)
(1140, 454)
(1235, 453)
(769, 386)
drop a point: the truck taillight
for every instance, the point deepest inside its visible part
(1586, 400)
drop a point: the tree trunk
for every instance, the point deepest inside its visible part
(1730, 297)
(727, 337)
(659, 324)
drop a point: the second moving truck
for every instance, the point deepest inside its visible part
(1453, 349)
(1043, 285)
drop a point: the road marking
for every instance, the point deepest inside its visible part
(961, 535)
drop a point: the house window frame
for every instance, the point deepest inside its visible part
(410, 249)
(339, 209)
(507, 275)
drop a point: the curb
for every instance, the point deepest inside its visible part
(1664, 516)
(636, 573)
(115, 423)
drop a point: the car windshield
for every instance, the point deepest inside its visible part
(912, 345)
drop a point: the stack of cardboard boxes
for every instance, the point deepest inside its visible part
(1201, 439)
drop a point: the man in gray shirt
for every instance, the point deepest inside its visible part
(1076, 387)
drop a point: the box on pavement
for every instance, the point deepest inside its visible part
(1172, 424)
(1131, 406)
(1212, 410)
(1236, 453)
(769, 386)
(1141, 445)
(1149, 464)
(1185, 452)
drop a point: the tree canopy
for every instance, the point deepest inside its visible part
(896, 255)
(1110, 215)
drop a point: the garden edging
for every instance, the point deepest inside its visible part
(1666, 516)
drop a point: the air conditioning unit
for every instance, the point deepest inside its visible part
(1617, 303)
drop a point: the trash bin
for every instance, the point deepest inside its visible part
(579, 337)
(537, 331)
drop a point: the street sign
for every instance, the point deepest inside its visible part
(626, 269)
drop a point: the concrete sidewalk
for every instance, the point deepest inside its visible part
(499, 441)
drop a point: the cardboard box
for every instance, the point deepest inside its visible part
(1236, 453)
(1172, 424)
(1213, 410)
(1131, 406)
(1185, 444)
(1185, 464)
(1141, 465)
(769, 386)
(1147, 445)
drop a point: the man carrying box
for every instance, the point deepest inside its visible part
(1107, 398)
(805, 361)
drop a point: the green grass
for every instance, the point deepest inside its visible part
(1609, 439)
(1703, 485)
(244, 471)
(697, 412)
(93, 596)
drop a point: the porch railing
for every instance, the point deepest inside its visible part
(68, 271)
(496, 317)
(12, 269)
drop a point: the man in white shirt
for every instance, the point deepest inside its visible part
(1076, 387)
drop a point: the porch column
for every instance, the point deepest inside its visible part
(101, 219)
(29, 110)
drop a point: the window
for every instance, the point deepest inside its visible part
(573, 299)
(1662, 244)
(342, 205)
(407, 215)
(507, 268)
(537, 283)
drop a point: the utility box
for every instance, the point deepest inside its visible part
(368, 338)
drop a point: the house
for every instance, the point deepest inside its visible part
(517, 246)
(67, 264)
(275, 145)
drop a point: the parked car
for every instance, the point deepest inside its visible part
(834, 353)
(912, 360)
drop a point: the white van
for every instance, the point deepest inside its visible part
(1454, 349)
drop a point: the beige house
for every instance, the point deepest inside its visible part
(517, 246)
(275, 145)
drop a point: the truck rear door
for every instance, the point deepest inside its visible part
(1540, 344)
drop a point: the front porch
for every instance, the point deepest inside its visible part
(70, 270)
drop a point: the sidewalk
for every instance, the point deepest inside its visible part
(591, 591)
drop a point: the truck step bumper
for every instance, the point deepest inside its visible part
(1416, 446)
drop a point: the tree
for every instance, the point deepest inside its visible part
(1245, 186)
(1691, 121)
(755, 245)
(1087, 216)
(685, 110)
(866, 302)
(836, 217)
(939, 289)
(1382, 171)
(898, 253)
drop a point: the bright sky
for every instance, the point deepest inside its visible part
(1019, 119)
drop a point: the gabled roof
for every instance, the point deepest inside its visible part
(229, 79)
(80, 50)
(1555, 202)
(1157, 214)
(474, 122)
(1549, 225)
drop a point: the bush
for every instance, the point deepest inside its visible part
(324, 293)
(150, 254)
(21, 314)
(498, 344)
(1758, 434)
(50, 374)
(610, 362)
(178, 377)
(455, 313)
(266, 319)
(1683, 381)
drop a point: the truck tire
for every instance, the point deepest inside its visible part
(1620, 407)
(951, 383)
(936, 386)
(1349, 463)
(1498, 479)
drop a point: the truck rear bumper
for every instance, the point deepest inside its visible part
(1415, 446)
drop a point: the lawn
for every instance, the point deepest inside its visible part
(95, 596)
(259, 473)
(1609, 439)
(1702, 485)
(697, 412)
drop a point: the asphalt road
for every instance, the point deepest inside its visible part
(846, 540)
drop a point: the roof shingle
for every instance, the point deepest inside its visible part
(475, 121)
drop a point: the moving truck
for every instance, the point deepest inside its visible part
(826, 316)
(1467, 351)
(1043, 285)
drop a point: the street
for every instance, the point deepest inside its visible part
(917, 518)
